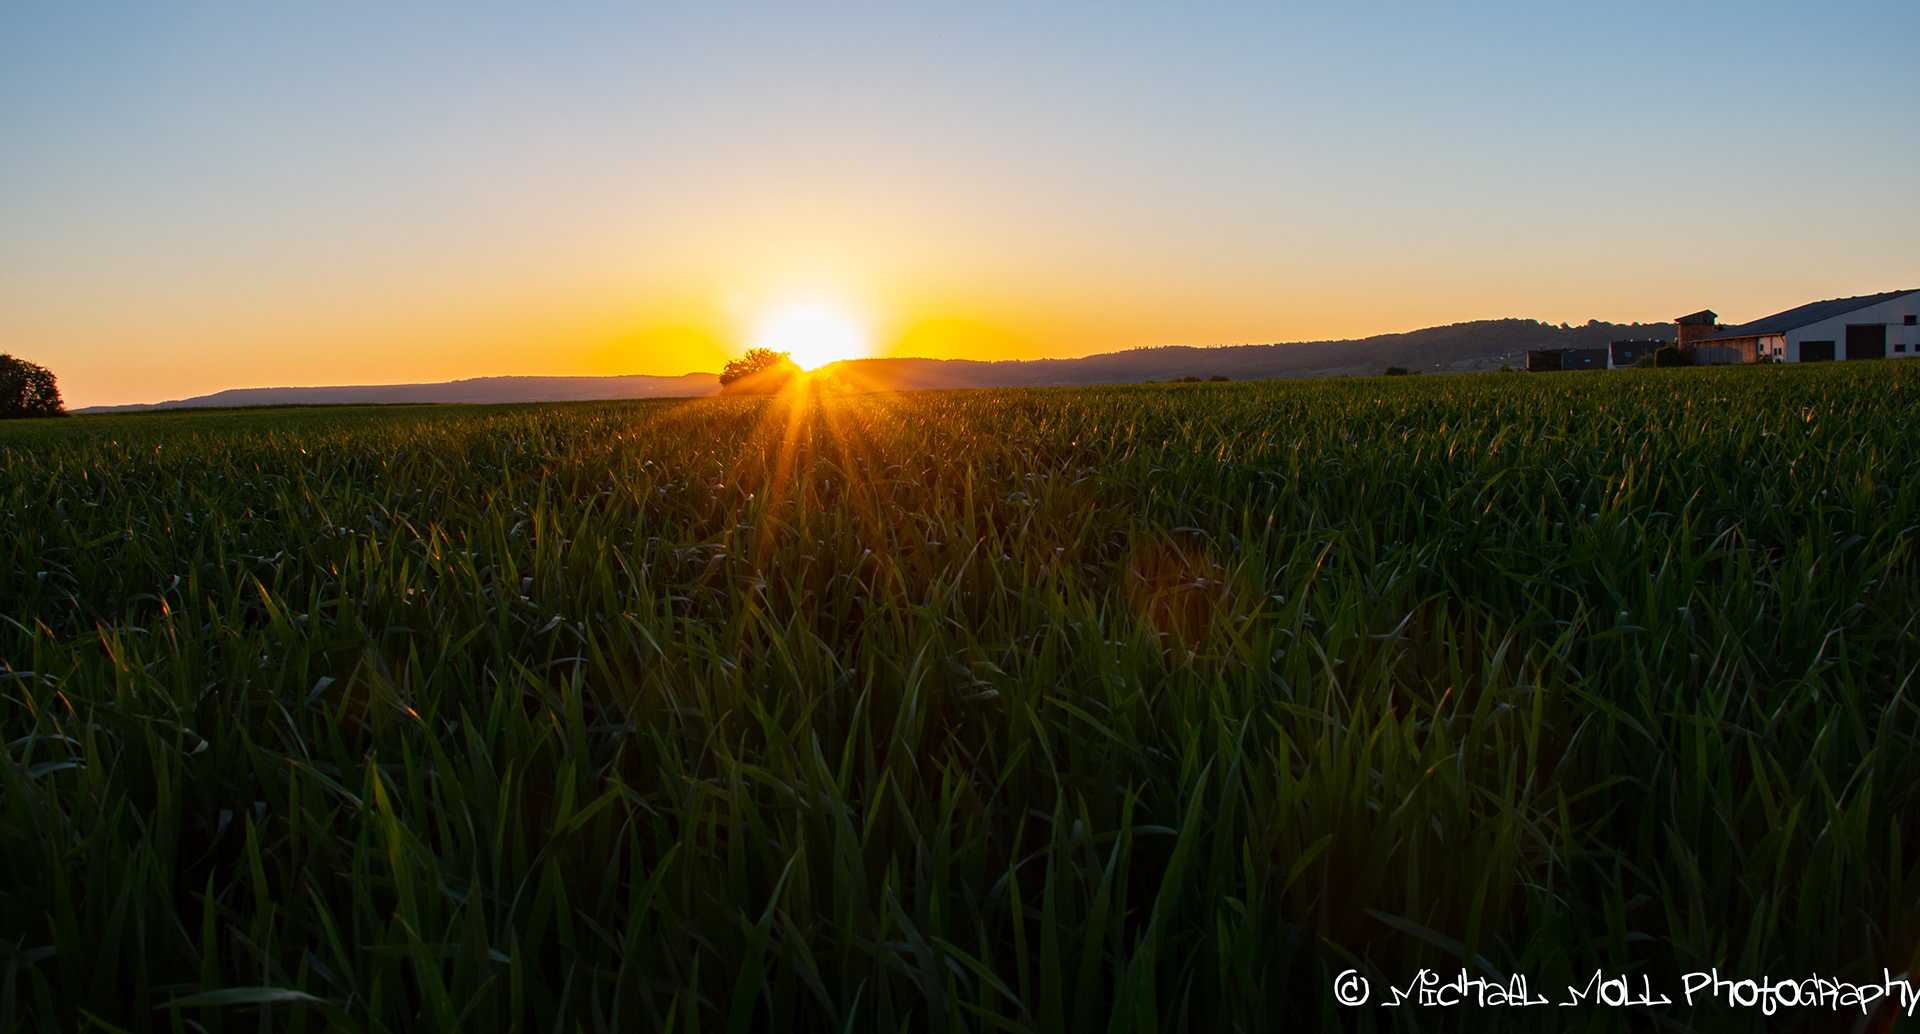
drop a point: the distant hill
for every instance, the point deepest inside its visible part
(1457, 348)
(478, 389)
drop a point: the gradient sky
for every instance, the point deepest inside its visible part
(203, 196)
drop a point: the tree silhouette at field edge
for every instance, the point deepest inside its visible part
(27, 389)
(762, 371)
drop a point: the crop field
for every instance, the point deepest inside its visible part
(1142, 708)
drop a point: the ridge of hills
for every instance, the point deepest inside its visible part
(472, 390)
(1457, 348)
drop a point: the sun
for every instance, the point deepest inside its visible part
(813, 336)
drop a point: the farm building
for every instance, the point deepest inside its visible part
(1583, 359)
(1697, 330)
(1872, 326)
(1622, 355)
(1547, 360)
(1695, 326)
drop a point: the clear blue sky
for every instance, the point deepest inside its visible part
(200, 196)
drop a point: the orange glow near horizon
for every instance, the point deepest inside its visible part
(702, 294)
(605, 312)
(198, 343)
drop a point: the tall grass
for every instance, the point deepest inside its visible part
(1053, 709)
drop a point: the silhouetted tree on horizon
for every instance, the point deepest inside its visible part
(27, 389)
(756, 360)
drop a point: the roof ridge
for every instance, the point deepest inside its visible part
(1802, 315)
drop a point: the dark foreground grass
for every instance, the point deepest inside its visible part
(1104, 709)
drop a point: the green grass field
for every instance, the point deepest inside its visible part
(1044, 709)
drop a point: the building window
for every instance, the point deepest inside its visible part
(1911, 320)
(1899, 348)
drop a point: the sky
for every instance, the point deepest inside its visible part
(199, 196)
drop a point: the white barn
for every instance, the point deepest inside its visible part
(1872, 326)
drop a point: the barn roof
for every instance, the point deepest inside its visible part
(1812, 312)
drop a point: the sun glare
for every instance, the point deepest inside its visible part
(813, 336)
